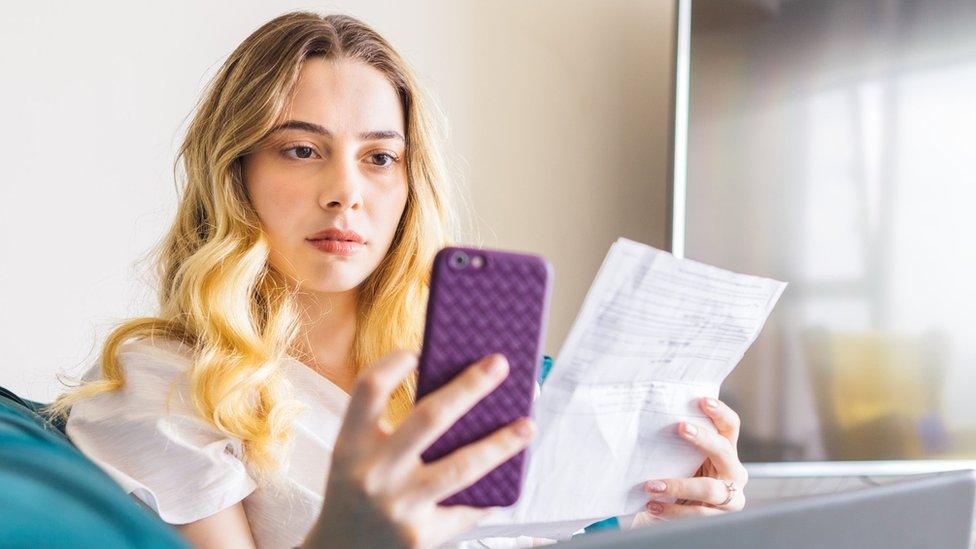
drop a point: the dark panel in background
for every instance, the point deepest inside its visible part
(831, 145)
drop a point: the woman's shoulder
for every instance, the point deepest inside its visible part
(148, 436)
(153, 371)
(157, 349)
(153, 402)
(153, 356)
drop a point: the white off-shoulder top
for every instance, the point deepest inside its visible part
(185, 469)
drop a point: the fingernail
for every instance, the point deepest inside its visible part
(711, 403)
(496, 366)
(690, 430)
(657, 486)
(524, 428)
(655, 508)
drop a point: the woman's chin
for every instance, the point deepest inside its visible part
(336, 281)
(327, 288)
(330, 276)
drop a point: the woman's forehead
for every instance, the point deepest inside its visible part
(346, 96)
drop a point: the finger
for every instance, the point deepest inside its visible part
(644, 518)
(662, 510)
(725, 419)
(372, 390)
(717, 448)
(467, 464)
(455, 519)
(414, 528)
(437, 411)
(700, 489)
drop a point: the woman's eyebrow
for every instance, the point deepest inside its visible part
(321, 130)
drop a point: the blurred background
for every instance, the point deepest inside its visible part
(824, 143)
(831, 145)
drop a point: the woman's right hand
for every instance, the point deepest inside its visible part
(379, 491)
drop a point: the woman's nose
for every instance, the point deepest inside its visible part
(343, 189)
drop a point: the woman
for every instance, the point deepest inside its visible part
(313, 205)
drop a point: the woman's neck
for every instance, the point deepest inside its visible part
(328, 332)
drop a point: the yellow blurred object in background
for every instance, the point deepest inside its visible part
(878, 393)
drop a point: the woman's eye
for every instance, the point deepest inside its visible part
(301, 152)
(383, 160)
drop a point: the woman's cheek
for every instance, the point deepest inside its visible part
(389, 207)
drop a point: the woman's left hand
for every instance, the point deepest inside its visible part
(717, 485)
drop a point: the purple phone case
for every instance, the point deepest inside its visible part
(500, 307)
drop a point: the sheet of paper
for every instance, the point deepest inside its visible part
(655, 333)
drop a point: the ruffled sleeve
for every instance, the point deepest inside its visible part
(173, 461)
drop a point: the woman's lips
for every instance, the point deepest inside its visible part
(338, 247)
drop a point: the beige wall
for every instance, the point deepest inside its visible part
(565, 132)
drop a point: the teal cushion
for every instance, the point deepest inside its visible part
(53, 496)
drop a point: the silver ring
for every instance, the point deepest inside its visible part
(731, 489)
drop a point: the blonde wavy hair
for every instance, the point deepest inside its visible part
(219, 295)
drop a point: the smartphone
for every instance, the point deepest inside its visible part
(483, 302)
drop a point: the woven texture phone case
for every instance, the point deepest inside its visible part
(500, 307)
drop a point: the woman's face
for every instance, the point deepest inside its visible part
(337, 162)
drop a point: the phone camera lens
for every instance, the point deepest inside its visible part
(459, 260)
